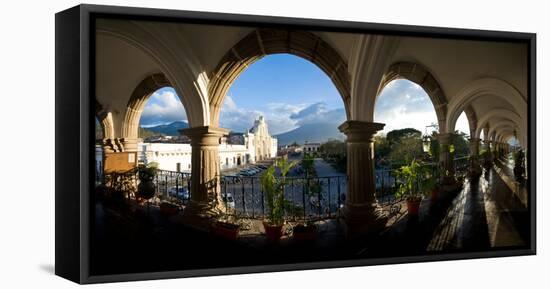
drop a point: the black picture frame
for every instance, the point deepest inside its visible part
(74, 126)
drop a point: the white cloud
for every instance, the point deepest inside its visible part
(163, 107)
(319, 113)
(280, 117)
(402, 116)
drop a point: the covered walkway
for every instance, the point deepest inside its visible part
(483, 215)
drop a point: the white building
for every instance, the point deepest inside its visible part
(235, 150)
(310, 147)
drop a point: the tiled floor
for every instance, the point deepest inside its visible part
(484, 214)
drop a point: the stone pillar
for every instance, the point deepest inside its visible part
(475, 168)
(489, 150)
(361, 211)
(130, 144)
(446, 162)
(495, 150)
(205, 202)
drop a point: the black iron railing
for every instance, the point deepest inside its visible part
(174, 186)
(169, 185)
(315, 197)
(387, 182)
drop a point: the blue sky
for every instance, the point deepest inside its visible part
(290, 91)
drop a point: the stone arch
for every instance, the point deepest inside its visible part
(498, 114)
(504, 123)
(422, 76)
(182, 69)
(266, 41)
(472, 120)
(105, 119)
(482, 87)
(137, 101)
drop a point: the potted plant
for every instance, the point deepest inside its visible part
(226, 226)
(305, 229)
(429, 185)
(146, 187)
(274, 187)
(519, 166)
(168, 208)
(408, 186)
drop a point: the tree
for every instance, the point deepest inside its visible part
(145, 133)
(461, 145)
(406, 149)
(396, 135)
(333, 148)
(308, 165)
(381, 147)
(334, 152)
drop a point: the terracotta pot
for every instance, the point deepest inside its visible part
(168, 209)
(434, 194)
(225, 230)
(413, 207)
(304, 233)
(273, 232)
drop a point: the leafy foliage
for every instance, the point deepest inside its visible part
(397, 135)
(274, 187)
(415, 180)
(406, 149)
(408, 176)
(145, 133)
(146, 174)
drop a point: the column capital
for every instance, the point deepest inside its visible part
(205, 135)
(360, 131)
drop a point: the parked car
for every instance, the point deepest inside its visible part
(247, 172)
(228, 200)
(181, 193)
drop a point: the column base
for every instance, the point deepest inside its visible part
(364, 220)
(476, 171)
(199, 215)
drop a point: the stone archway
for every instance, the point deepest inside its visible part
(264, 41)
(422, 76)
(134, 109)
(501, 114)
(483, 87)
(472, 120)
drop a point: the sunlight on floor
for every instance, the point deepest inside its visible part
(447, 230)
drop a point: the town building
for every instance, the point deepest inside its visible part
(311, 147)
(235, 149)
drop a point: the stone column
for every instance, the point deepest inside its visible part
(361, 211)
(475, 168)
(488, 148)
(493, 145)
(205, 201)
(446, 162)
(130, 144)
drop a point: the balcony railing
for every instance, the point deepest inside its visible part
(317, 197)
(169, 185)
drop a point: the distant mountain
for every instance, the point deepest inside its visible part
(319, 132)
(169, 129)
